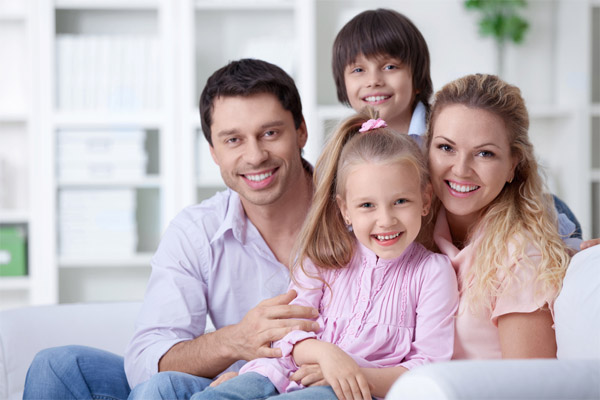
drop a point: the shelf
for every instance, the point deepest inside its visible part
(549, 112)
(140, 260)
(105, 4)
(90, 120)
(333, 112)
(13, 283)
(12, 117)
(244, 5)
(14, 217)
(149, 182)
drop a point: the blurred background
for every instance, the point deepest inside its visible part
(100, 140)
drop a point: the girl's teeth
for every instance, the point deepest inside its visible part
(387, 237)
(462, 188)
(259, 177)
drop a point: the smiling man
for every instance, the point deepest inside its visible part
(225, 258)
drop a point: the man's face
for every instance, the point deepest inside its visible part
(257, 147)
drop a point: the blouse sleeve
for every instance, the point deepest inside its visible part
(437, 303)
(310, 292)
(522, 293)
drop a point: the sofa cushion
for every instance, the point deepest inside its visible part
(577, 308)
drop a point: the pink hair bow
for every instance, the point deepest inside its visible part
(372, 124)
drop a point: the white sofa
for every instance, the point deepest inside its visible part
(575, 375)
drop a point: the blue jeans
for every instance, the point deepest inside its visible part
(563, 208)
(76, 372)
(253, 386)
(79, 372)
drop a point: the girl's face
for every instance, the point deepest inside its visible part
(470, 160)
(384, 205)
(384, 83)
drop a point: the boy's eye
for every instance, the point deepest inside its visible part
(357, 69)
(390, 66)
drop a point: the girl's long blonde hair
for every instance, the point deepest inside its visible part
(325, 239)
(523, 213)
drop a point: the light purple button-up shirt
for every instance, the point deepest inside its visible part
(211, 261)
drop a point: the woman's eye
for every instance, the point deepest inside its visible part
(485, 154)
(444, 147)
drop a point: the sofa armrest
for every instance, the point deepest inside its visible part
(25, 331)
(545, 379)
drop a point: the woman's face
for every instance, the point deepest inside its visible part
(470, 160)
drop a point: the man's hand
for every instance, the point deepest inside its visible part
(268, 322)
(309, 375)
(225, 377)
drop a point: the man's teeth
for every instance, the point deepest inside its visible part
(462, 188)
(259, 177)
(376, 98)
(388, 237)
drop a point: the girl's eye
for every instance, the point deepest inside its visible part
(366, 205)
(401, 201)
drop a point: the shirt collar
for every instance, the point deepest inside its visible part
(418, 123)
(375, 262)
(235, 219)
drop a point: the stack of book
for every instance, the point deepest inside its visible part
(101, 155)
(97, 223)
(110, 72)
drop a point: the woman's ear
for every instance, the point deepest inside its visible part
(427, 195)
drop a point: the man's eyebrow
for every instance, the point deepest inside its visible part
(227, 132)
(271, 124)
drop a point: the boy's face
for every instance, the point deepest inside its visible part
(257, 148)
(386, 84)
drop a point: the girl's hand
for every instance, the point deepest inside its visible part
(309, 375)
(225, 377)
(589, 243)
(343, 374)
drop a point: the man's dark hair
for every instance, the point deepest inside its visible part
(247, 77)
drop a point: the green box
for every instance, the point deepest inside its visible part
(13, 251)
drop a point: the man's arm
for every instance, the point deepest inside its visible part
(211, 353)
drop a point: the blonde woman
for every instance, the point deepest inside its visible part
(495, 220)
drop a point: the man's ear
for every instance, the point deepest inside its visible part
(212, 154)
(302, 134)
(427, 195)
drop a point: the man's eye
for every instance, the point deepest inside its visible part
(232, 140)
(270, 133)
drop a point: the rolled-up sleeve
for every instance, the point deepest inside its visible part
(175, 305)
(435, 313)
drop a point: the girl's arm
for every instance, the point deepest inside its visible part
(527, 335)
(340, 370)
(382, 379)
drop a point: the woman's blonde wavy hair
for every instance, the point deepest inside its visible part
(324, 238)
(523, 213)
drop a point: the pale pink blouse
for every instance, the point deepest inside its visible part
(476, 334)
(383, 313)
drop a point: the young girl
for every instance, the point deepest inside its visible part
(494, 220)
(386, 303)
(381, 59)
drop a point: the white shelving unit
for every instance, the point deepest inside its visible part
(194, 38)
